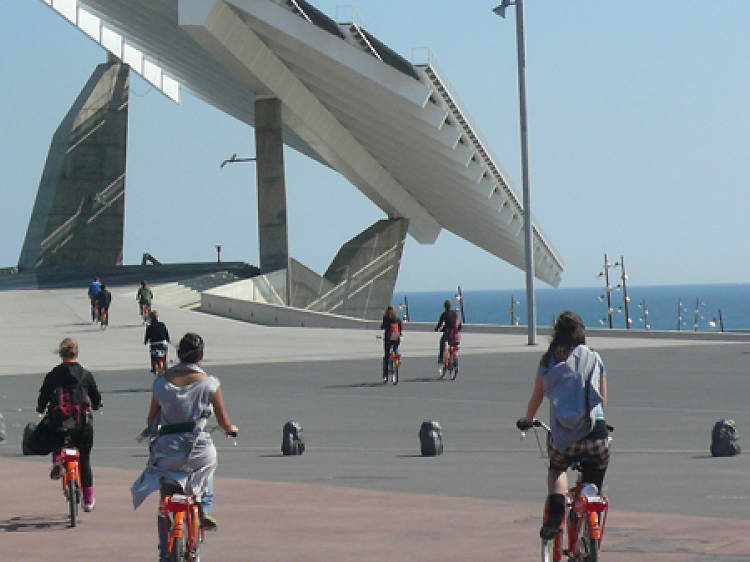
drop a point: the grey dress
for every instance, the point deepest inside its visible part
(189, 458)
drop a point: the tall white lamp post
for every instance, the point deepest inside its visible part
(529, 254)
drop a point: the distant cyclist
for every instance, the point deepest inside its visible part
(450, 325)
(103, 299)
(157, 336)
(47, 437)
(94, 287)
(393, 328)
(144, 296)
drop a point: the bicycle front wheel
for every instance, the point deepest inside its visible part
(72, 496)
(548, 550)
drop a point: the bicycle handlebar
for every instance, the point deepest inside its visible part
(524, 425)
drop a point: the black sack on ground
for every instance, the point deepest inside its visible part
(292, 442)
(725, 440)
(430, 438)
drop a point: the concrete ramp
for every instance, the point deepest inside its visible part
(358, 284)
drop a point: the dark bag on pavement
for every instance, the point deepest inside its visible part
(725, 439)
(430, 438)
(292, 442)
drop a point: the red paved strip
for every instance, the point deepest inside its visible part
(300, 522)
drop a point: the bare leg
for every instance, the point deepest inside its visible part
(557, 482)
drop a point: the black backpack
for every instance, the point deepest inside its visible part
(292, 442)
(430, 438)
(725, 439)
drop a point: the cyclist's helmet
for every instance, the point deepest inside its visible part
(190, 348)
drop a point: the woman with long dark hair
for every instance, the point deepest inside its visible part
(572, 377)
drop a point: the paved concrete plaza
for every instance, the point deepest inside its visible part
(361, 491)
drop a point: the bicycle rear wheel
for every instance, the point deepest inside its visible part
(395, 373)
(194, 544)
(179, 547)
(454, 370)
(588, 548)
(72, 496)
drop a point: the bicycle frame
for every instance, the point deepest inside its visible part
(580, 510)
(158, 356)
(71, 480)
(583, 509)
(394, 361)
(184, 522)
(70, 458)
(450, 355)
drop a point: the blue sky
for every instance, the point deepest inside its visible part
(638, 126)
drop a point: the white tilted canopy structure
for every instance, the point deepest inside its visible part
(395, 129)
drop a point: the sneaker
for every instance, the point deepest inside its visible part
(89, 506)
(209, 522)
(548, 531)
(56, 472)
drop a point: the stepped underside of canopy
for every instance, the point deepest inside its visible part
(395, 129)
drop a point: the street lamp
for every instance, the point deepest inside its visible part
(680, 310)
(514, 320)
(697, 313)
(644, 318)
(460, 300)
(233, 158)
(405, 308)
(529, 253)
(608, 288)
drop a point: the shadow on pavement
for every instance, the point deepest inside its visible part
(356, 385)
(29, 523)
(126, 390)
(377, 384)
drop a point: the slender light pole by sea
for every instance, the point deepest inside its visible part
(527, 228)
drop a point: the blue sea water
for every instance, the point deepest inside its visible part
(661, 302)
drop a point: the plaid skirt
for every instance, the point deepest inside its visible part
(598, 448)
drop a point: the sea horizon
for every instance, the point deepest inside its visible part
(715, 303)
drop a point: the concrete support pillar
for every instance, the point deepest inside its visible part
(273, 234)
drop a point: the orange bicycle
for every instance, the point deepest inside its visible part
(184, 532)
(181, 513)
(158, 352)
(145, 312)
(450, 361)
(71, 480)
(582, 529)
(394, 362)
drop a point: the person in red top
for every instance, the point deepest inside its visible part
(393, 328)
